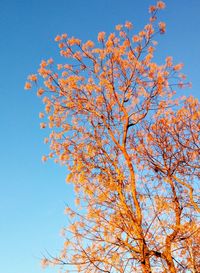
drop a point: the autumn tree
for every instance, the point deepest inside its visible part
(131, 147)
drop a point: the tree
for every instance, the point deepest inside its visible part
(131, 147)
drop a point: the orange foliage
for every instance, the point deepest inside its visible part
(132, 151)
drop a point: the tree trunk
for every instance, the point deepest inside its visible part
(146, 266)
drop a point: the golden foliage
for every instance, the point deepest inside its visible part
(131, 149)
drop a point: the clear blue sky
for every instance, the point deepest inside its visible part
(33, 194)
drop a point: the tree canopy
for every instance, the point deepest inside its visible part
(131, 146)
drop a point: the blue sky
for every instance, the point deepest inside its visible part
(33, 194)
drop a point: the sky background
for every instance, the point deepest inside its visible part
(33, 194)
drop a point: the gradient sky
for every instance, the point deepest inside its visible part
(33, 194)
